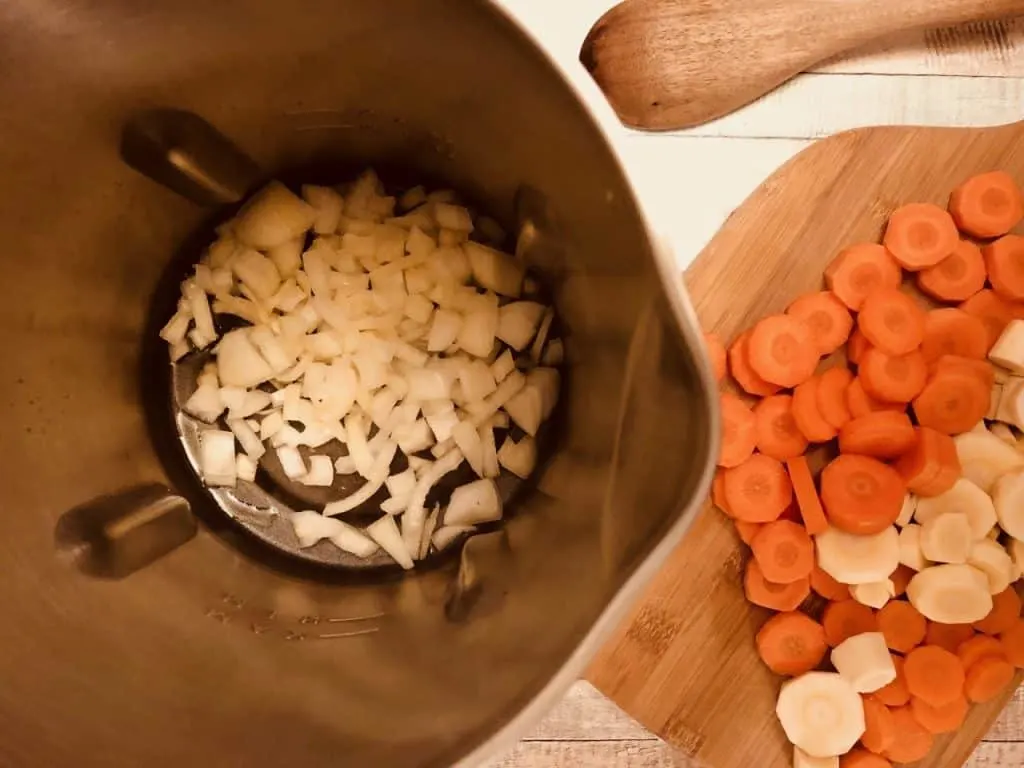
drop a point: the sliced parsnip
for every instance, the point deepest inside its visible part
(821, 714)
(990, 558)
(864, 661)
(802, 760)
(964, 497)
(1008, 497)
(985, 458)
(851, 559)
(1008, 351)
(874, 595)
(995, 398)
(910, 548)
(1004, 433)
(1016, 550)
(907, 511)
(950, 594)
(947, 538)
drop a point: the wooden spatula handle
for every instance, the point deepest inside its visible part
(674, 63)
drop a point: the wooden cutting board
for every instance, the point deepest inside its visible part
(684, 662)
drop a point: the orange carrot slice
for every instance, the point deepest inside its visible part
(938, 720)
(893, 378)
(881, 435)
(826, 318)
(791, 643)
(739, 366)
(827, 587)
(987, 678)
(912, 741)
(758, 490)
(861, 758)
(807, 415)
(952, 402)
(892, 321)
(807, 499)
(776, 597)
(861, 495)
(901, 624)
(782, 351)
(777, 433)
(920, 235)
(951, 331)
(879, 727)
(1012, 641)
(739, 431)
(859, 270)
(987, 205)
(784, 551)
(934, 675)
(857, 346)
(861, 403)
(718, 492)
(747, 531)
(895, 694)
(716, 354)
(992, 310)
(1004, 614)
(831, 396)
(948, 636)
(977, 648)
(957, 277)
(981, 369)
(931, 466)
(1004, 260)
(845, 618)
(900, 579)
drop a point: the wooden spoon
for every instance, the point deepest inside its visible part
(668, 64)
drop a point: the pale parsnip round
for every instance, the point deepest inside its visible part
(984, 458)
(821, 714)
(990, 558)
(874, 595)
(1016, 550)
(910, 553)
(1008, 496)
(964, 497)
(852, 559)
(864, 662)
(907, 510)
(802, 760)
(947, 538)
(950, 594)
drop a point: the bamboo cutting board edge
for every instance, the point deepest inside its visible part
(684, 663)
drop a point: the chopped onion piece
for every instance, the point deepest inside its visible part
(273, 350)
(508, 389)
(494, 270)
(542, 335)
(291, 461)
(443, 537)
(345, 465)
(503, 366)
(205, 403)
(402, 484)
(452, 237)
(247, 438)
(413, 438)
(518, 321)
(415, 515)
(479, 328)
(321, 472)
(239, 362)
(419, 465)
(444, 330)
(468, 440)
(352, 540)
(474, 503)
(358, 449)
(441, 418)
(177, 327)
(328, 205)
(428, 530)
(200, 307)
(272, 424)
(245, 467)
(378, 475)
(394, 506)
(548, 382)
(519, 458)
(382, 406)
(527, 409)
(476, 380)
(417, 307)
(239, 307)
(273, 216)
(217, 457)
(490, 452)
(178, 350)
(428, 384)
(497, 421)
(385, 532)
(287, 256)
(254, 401)
(412, 197)
(554, 353)
(208, 376)
(286, 435)
(453, 217)
(311, 527)
(316, 435)
(257, 273)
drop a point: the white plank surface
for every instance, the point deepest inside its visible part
(967, 76)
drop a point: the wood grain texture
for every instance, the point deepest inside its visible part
(684, 663)
(667, 65)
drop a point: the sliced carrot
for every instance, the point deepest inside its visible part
(957, 277)
(920, 235)
(895, 694)
(900, 579)
(882, 435)
(716, 354)
(776, 597)
(777, 433)
(718, 492)
(861, 403)
(859, 270)
(831, 395)
(739, 366)
(934, 675)
(807, 499)
(978, 647)
(903, 627)
(948, 636)
(892, 321)
(951, 331)
(861, 758)
(827, 319)
(861, 495)
(912, 742)
(952, 402)
(747, 531)
(739, 431)
(827, 587)
(792, 512)
(987, 678)
(981, 369)
(931, 467)
(856, 346)
(791, 643)
(1004, 614)
(845, 618)
(992, 310)
(807, 415)
(784, 551)
(782, 351)
(1012, 641)
(1004, 260)
(938, 720)
(893, 378)
(879, 728)
(758, 490)
(987, 205)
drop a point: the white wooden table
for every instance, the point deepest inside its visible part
(967, 76)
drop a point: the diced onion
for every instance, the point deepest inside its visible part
(291, 462)
(519, 458)
(217, 457)
(474, 503)
(247, 438)
(444, 536)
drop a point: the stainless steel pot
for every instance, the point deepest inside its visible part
(120, 648)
